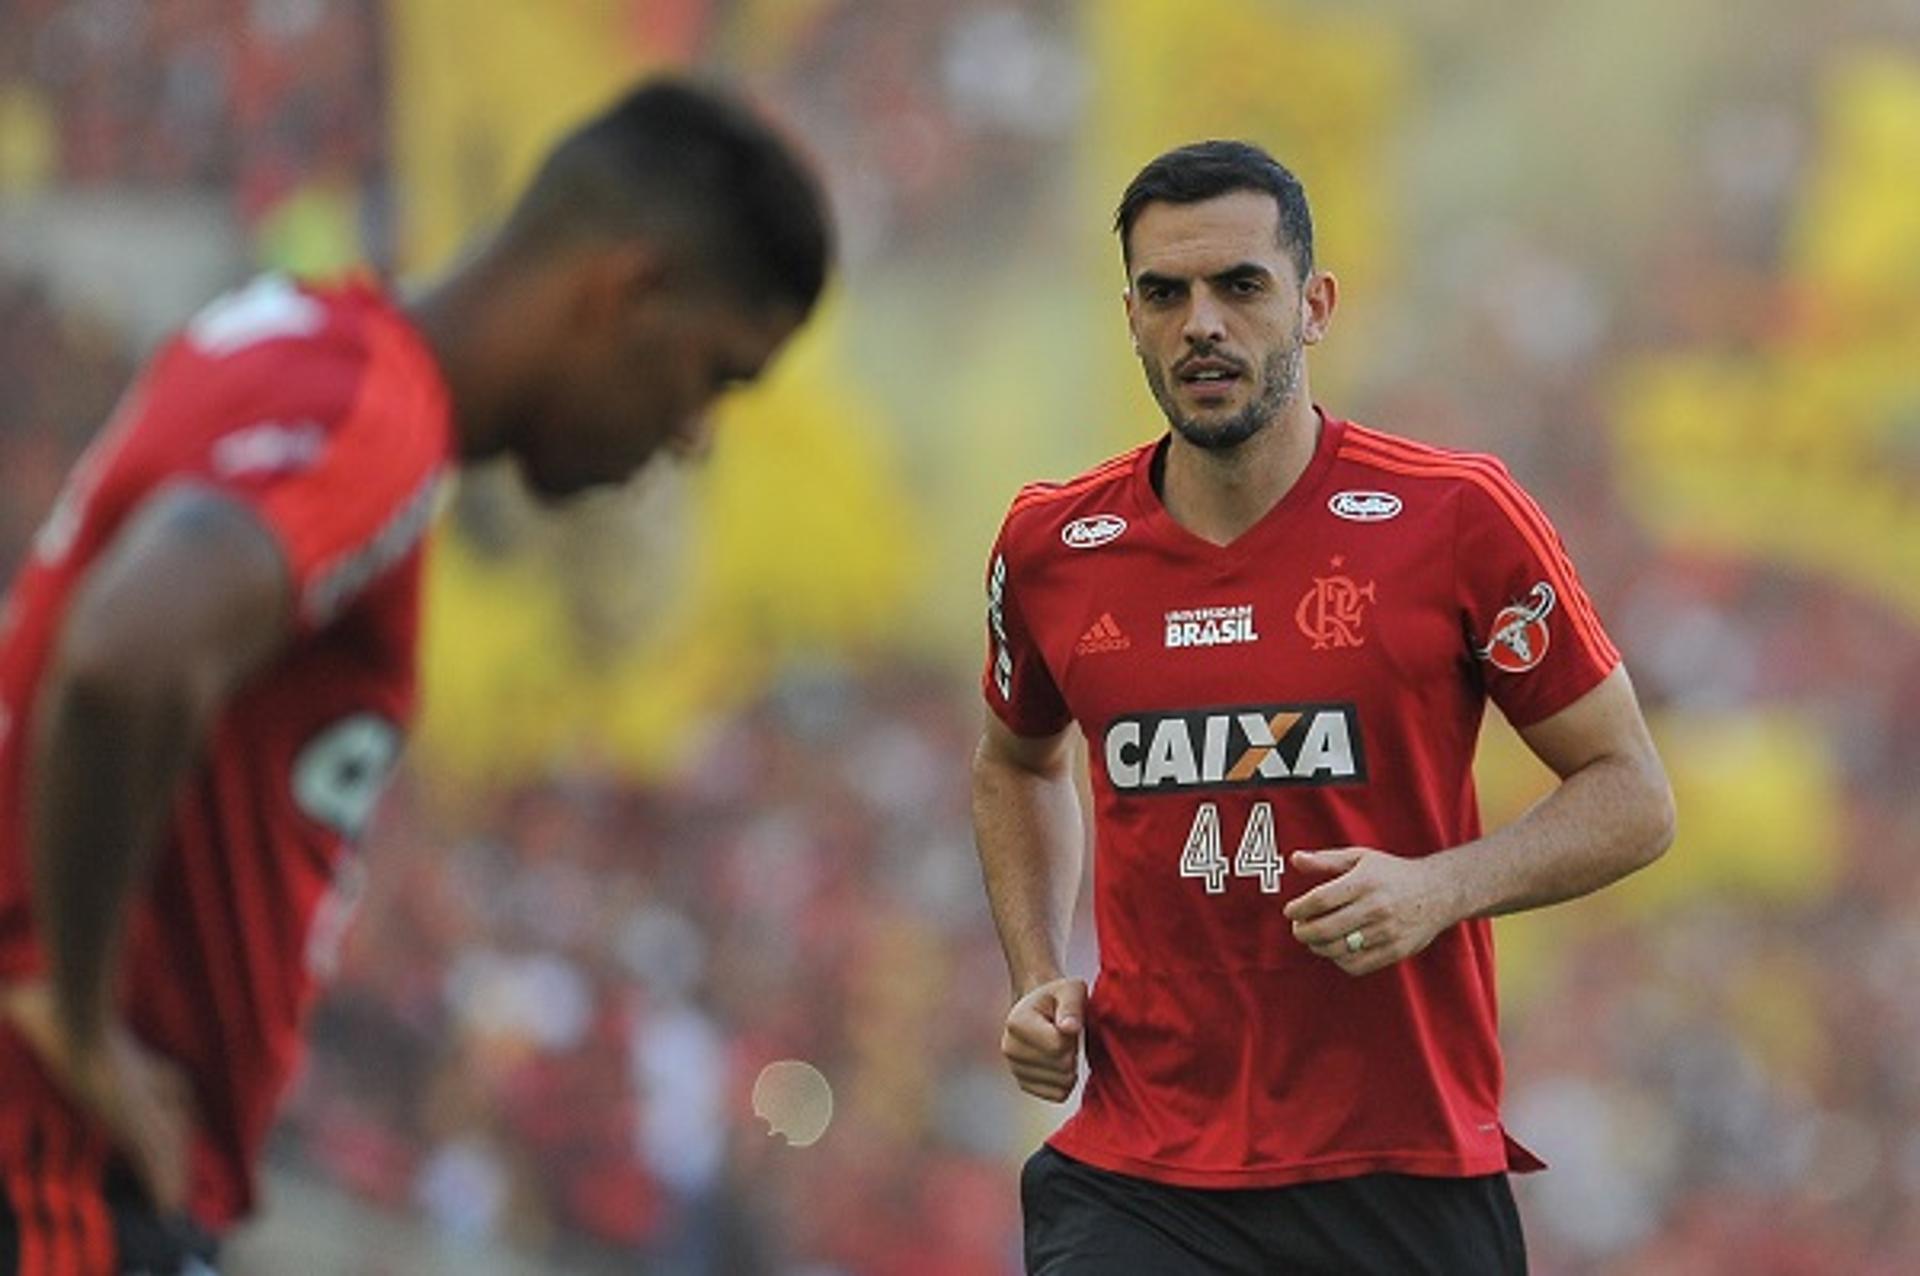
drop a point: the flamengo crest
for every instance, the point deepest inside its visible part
(1333, 611)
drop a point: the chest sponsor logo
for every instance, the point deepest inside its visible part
(1211, 626)
(1520, 634)
(1102, 636)
(1365, 507)
(1092, 531)
(1333, 613)
(1290, 744)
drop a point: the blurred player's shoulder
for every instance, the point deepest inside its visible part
(295, 356)
(275, 327)
(274, 312)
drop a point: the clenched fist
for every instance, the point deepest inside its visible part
(1041, 1040)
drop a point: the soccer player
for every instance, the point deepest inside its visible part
(207, 668)
(1278, 631)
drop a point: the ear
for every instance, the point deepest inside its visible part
(1319, 297)
(1133, 333)
(617, 278)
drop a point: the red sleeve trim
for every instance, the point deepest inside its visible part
(1522, 512)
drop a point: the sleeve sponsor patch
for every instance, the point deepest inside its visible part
(1520, 637)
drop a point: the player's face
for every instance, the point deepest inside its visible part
(645, 382)
(1219, 315)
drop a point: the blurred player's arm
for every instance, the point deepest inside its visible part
(1027, 825)
(192, 597)
(1611, 813)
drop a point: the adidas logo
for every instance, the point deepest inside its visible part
(1103, 635)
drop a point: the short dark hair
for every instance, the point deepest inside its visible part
(1205, 170)
(689, 163)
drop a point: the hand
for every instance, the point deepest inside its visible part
(144, 1101)
(1394, 904)
(1041, 1040)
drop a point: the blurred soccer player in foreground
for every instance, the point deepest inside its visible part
(207, 670)
(1278, 631)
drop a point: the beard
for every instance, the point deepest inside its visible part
(1279, 382)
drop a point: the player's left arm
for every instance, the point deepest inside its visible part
(1611, 813)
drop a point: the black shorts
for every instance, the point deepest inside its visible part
(145, 1243)
(1082, 1221)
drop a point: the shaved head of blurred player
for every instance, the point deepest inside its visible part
(663, 253)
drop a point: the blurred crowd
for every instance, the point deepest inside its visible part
(927, 117)
(268, 100)
(60, 371)
(549, 1015)
(932, 122)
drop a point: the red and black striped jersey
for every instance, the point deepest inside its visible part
(326, 414)
(1319, 682)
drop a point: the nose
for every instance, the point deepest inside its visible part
(1205, 320)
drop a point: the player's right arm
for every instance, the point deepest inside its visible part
(1028, 831)
(1027, 825)
(191, 598)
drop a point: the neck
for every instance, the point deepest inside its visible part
(1218, 495)
(468, 318)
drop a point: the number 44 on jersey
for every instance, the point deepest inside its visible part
(1259, 854)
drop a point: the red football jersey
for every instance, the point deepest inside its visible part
(1318, 683)
(326, 414)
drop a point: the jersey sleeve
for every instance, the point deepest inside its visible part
(1019, 687)
(1531, 629)
(336, 444)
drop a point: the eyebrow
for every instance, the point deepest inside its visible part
(1245, 270)
(1232, 274)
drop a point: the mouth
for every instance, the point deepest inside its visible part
(1209, 378)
